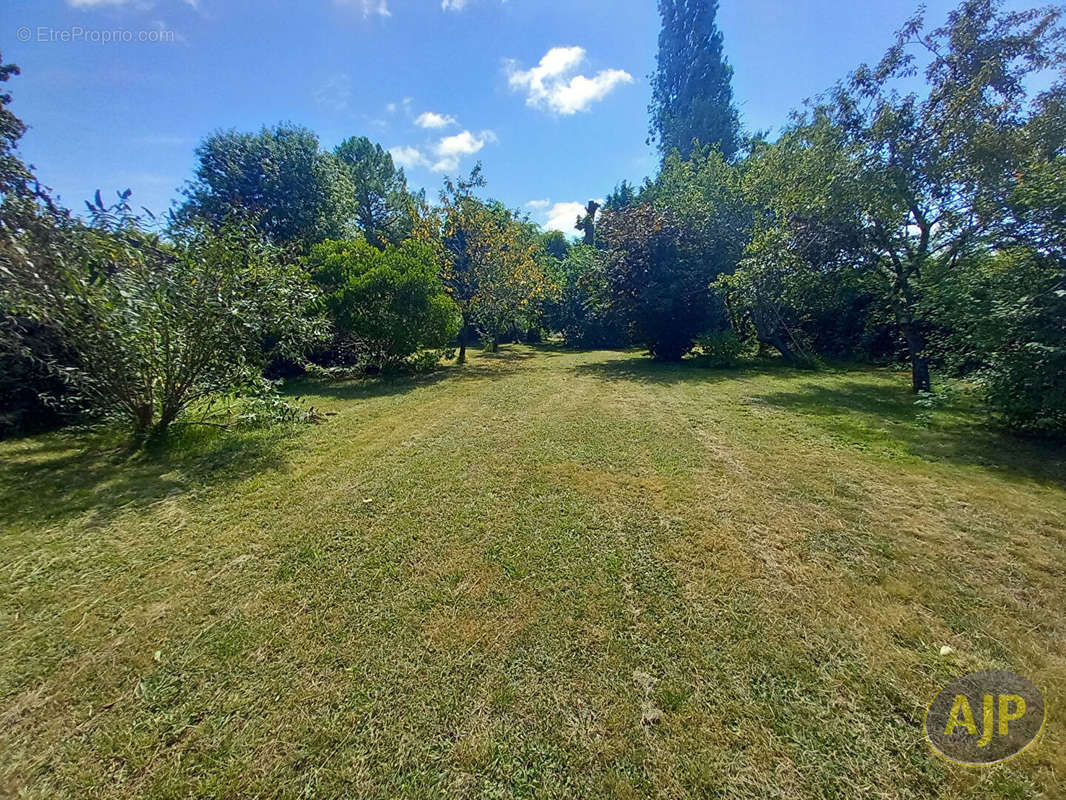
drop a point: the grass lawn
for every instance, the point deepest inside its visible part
(544, 574)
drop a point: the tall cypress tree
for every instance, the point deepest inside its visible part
(692, 94)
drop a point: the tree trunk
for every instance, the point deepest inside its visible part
(496, 344)
(780, 344)
(768, 332)
(142, 422)
(919, 365)
(588, 224)
(462, 343)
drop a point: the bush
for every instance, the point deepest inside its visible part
(428, 360)
(32, 397)
(155, 327)
(660, 274)
(720, 348)
(390, 302)
(1001, 324)
(579, 306)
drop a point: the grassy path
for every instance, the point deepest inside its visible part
(545, 574)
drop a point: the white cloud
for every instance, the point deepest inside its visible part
(456, 5)
(431, 119)
(559, 216)
(335, 92)
(97, 3)
(407, 157)
(563, 217)
(379, 7)
(553, 86)
(465, 143)
(445, 155)
(452, 148)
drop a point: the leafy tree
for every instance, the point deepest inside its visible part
(659, 278)
(999, 320)
(391, 301)
(998, 317)
(488, 261)
(705, 216)
(579, 303)
(381, 205)
(29, 391)
(586, 223)
(277, 178)
(692, 93)
(903, 187)
(511, 281)
(159, 326)
(19, 190)
(705, 194)
(623, 196)
(464, 251)
(555, 244)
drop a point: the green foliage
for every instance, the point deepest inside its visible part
(1001, 323)
(276, 178)
(705, 193)
(665, 249)
(579, 303)
(622, 196)
(720, 348)
(659, 277)
(31, 396)
(900, 188)
(159, 326)
(489, 261)
(380, 204)
(692, 93)
(429, 360)
(390, 301)
(555, 244)
(18, 189)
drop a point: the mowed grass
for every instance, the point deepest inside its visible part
(545, 574)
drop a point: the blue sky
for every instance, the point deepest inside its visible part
(551, 95)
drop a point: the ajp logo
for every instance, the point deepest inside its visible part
(985, 718)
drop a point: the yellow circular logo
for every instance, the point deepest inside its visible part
(985, 718)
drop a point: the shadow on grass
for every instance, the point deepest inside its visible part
(866, 413)
(861, 406)
(480, 366)
(644, 369)
(47, 479)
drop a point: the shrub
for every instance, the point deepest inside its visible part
(428, 360)
(660, 274)
(391, 301)
(720, 348)
(156, 326)
(1001, 324)
(579, 306)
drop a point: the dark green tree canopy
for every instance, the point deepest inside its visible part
(623, 196)
(659, 277)
(277, 177)
(380, 204)
(692, 93)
